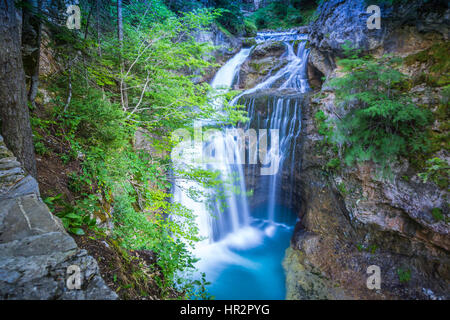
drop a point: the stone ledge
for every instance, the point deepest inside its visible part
(35, 250)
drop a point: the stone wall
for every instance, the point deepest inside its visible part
(35, 250)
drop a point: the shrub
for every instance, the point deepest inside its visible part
(438, 171)
(381, 122)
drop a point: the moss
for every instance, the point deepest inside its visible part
(248, 42)
(404, 275)
(436, 57)
(437, 214)
(259, 67)
(342, 189)
(250, 28)
(224, 30)
(333, 164)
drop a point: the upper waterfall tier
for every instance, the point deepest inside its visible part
(284, 36)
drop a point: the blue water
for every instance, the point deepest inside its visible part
(247, 265)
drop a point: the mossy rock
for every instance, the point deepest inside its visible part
(436, 57)
(248, 42)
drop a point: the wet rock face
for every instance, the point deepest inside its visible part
(35, 250)
(226, 46)
(265, 59)
(378, 222)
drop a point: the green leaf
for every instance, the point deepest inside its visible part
(77, 231)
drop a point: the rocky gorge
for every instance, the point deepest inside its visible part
(349, 218)
(353, 218)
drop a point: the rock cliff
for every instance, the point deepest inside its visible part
(353, 219)
(35, 250)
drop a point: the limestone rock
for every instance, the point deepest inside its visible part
(35, 250)
(265, 59)
(342, 21)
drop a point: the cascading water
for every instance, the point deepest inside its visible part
(236, 237)
(219, 145)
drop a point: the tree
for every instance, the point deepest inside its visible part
(16, 128)
(97, 16)
(382, 122)
(123, 89)
(31, 43)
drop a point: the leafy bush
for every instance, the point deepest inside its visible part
(117, 182)
(277, 15)
(333, 164)
(381, 122)
(438, 171)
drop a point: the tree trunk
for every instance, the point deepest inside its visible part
(123, 88)
(86, 31)
(99, 40)
(16, 128)
(31, 44)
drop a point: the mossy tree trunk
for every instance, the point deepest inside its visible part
(31, 43)
(16, 128)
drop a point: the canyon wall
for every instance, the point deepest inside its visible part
(353, 218)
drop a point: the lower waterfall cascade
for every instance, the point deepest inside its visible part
(245, 242)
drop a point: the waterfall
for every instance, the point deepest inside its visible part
(231, 226)
(222, 153)
(285, 88)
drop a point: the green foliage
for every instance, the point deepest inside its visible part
(404, 275)
(200, 292)
(116, 182)
(438, 171)
(436, 59)
(381, 122)
(250, 28)
(437, 214)
(231, 16)
(153, 231)
(323, 126)
(73, 218)
(333, 164)
(446, 95)
(371, 248)
(40, 127)
(277, 15)
(50, 201)
(342, 189)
